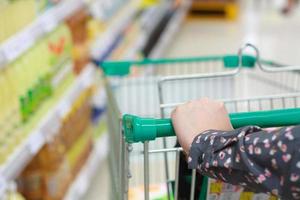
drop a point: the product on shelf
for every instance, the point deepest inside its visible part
(15, 196)
(28, 83)
(227, 9)
(79, 152)
(30, 102)
(77, 120)
(49, 174)
(15, 15)
(39, 66)
(94, 29)
(149, 3)
(78, 23)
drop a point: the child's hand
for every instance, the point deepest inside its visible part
(195, 117)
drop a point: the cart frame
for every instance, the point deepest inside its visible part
(120, 159)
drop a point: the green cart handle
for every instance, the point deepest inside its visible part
(137, 129)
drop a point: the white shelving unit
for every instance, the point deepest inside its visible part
(51, 122)
(165, 39)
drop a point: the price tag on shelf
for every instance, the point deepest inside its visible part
(66, 8)
(15, 46)
(87, 77)
(55, 125)
(2, 59)
(62, 11)
(36, 141)
(83, 185)
(87, 82)
(3, 185)
(51, 125)
(75, 5)
(96, 9)
(49, 20)
(64, 107)
(103, 42)
(35, 30)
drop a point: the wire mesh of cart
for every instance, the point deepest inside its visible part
(142, 94)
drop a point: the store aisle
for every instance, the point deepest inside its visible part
(276, 36)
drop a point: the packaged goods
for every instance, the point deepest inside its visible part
(78, 24)
(220, 190)
(14, 16)
(49, 174)
(30, 81)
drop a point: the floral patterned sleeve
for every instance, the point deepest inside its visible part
(260, 160)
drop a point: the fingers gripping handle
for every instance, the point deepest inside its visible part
(137, 129)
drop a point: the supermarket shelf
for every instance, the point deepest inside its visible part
(51, 122)
(148, 21)
(83, 180)
(106, 40)
(16, 45)
(135, 49)
(48, 126)
(165, 39)
(171, 29)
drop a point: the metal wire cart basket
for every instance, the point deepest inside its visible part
(142, 94)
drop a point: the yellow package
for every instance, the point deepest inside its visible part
(15, 15)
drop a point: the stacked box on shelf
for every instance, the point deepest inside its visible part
(227, 9)
(74, 125)
(77, 23)
(49, 174)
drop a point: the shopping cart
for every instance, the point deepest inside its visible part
(255, 92)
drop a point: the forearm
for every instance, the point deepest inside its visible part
(257, 159)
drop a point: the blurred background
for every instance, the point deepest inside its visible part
(54, 142)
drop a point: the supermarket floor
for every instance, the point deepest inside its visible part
(259, 22)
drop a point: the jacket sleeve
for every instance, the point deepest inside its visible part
(260, 160)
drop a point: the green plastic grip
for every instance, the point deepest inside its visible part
(137, 129)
